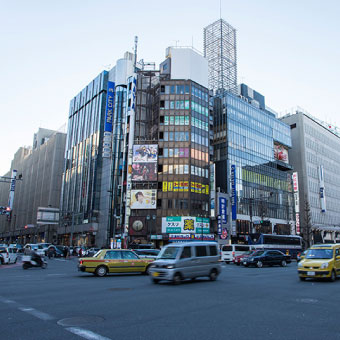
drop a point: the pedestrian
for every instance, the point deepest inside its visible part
(65, 252)
(50, 252)
(80, 252)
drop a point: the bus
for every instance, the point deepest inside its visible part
(288, 244)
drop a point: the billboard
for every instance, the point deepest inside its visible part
(280, 153)
(107, 137)
(145, 153)
(185, 224)
(48, 215)
(144, 172)
(233, 192)
(143, 199)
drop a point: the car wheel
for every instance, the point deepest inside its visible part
(101, 271)
(147, 270)
(155, 281)
(177, 279)
(44, 265)
(25, 266)
(213, 275)
(259, 264)
(283, 263)
(302, 278)
(333, 276)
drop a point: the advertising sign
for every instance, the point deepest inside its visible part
(145, 153)
(280, 153)
(185, 224)
(297, 223)
(191, 237)
(233, 192)
(222, 207)
(143, 199)
(295, 182)
(12, 188)
(109, 110)
(47, 215)
(144, 172)
(322, 189)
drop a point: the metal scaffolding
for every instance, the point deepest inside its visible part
(220, 51)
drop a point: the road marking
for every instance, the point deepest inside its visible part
(55, 274)
(84, 333)
(36, 313)
(4, 300)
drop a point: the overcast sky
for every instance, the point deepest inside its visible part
(288, 50)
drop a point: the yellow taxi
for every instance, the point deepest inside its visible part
(114, 261)
(321, 261)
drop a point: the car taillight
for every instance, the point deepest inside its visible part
(80, 262)
(233, 253)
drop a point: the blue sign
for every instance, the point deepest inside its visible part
(109, 106)
(222, 201)
(219, 225)
(233, 193)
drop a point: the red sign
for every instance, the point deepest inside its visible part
(297, 223)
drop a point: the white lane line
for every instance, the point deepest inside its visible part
(84, 333)
(4, 300)
(36, 313)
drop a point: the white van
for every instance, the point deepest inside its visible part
(230, 251)
(180, 261)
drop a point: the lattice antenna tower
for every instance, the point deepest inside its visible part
(220, 51)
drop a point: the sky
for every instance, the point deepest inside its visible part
(287, 50)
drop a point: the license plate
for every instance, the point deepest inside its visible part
(155, 274)
(311, 273)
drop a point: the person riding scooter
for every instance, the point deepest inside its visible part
(34, 256)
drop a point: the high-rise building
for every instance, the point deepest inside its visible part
(315, 156)
(39, 173)
(220, 51)
(138, 154)
(252, 165)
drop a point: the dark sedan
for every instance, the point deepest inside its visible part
(267, 257)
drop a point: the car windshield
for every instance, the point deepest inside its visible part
(168, 253)
(258, 253)
(319, 254)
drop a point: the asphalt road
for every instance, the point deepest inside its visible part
(244, 303)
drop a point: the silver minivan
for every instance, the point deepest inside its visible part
(189, 260)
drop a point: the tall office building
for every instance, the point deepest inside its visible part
(252, 165)
(40, 169)
(220, 51)
(315, 156)
(138, 154)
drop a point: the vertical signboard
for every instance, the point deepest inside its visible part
(322, 189)
(233, 192)
(296, 201)
(107, 138)
(12, 188)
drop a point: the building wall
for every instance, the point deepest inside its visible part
(315, 146)
(41, 171)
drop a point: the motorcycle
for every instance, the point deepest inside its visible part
(28, 262)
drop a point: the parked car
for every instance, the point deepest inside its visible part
(147, 253)
(238, 260)
(36, 247)
(8, 255)
(230, 251)
(321, 261)
(114, 261)
(17, 247)
(91, 251)
(55, 251)
(188, 260)
(267, 257)
(44, 246)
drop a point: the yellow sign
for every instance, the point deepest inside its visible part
(165, 186)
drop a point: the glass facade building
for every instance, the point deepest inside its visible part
(251, 138)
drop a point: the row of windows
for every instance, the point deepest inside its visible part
(199, 124)
(175, 104)
(175, 89)
(174, 136)
(174, 169)
(197, 171)
(196, 92)
(199, 108)
(176, 152)
(184, 204)
(174, 120)
(198, 139)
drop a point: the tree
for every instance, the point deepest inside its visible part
(307, 227)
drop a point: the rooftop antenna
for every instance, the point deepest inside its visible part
(135, 51)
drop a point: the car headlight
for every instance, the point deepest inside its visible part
(170, 266)
(324, 265)
(299, 264)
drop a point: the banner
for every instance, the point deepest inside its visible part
(145, 153)
(144, 172)
(143, 199)
(109, 110)
(233, 192)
